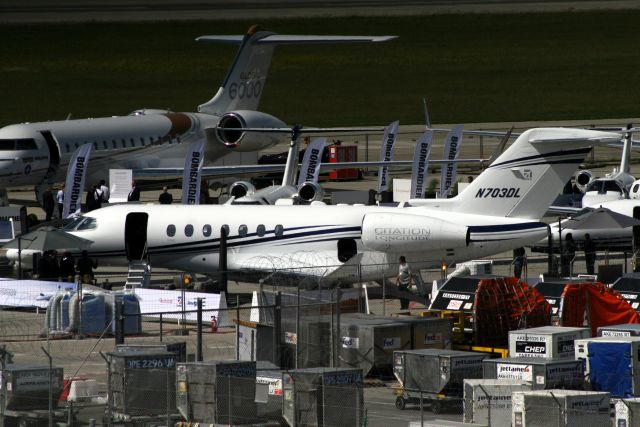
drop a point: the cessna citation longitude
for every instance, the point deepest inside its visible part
(34, 153)
(498, 211)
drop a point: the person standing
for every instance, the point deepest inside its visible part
(589, 253)
(94, 199)
(104, 190)
(85, 267)
(568, 254)
(60, 200)
(404, 279)
(134, 194)
(67, 267)
(518, 262)
(165, 197)
(48, 203)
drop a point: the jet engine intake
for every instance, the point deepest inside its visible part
(310, 192)
(228, 131)
(241, 188)
(583, 178)
(404, 233)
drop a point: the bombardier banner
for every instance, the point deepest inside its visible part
(191, 175)
(311, 161)
(386, 154)
(451, 152)
(74, 185)
(420, 166)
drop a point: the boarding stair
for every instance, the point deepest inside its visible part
(139, 274)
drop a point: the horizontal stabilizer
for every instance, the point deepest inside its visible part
(279, 39)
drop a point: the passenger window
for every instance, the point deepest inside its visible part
(243, 230)
(635, 188)
(206, 230)
(133, 144)
(124, 143)
(26, 144)
(188, 230)
(7, 144)
(279, 230)
(104, 144)
(114, 143)
(171, 230)
(261, 230)
(226, 228)
(142, 141)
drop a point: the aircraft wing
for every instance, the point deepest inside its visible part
(561, 210)
(280, 39)
(235, 170)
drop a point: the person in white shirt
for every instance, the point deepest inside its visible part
(104, 190)
(60, 200)
(404, 279)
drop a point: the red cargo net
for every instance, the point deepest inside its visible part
(505, 304)
(595, 305)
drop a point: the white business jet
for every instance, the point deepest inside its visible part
(499, 211)
(34, 153)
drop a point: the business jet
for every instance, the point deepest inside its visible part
(500, 210)
(35, 153)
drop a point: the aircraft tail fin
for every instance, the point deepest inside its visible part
(244, 83)
(524, 180)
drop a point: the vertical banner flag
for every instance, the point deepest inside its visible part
(191, 176)
(386, 154)
(451, 152)
(420, 169)
(311, 161)
(74, 185)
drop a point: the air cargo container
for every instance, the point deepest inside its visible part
(627, 413)
(561, 408)
(549, 342)
(489, 401)
(179, 348)
(624, 330)
(541, 373)
(24, 387)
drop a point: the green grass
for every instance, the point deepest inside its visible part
(471, 68)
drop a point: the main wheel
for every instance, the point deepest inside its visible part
(436, 406)
(400, 402)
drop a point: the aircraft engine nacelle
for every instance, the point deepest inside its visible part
(241, 188)
(583, 178)
(227, 132)
(635, 190)
(404, 233)
(310, 192)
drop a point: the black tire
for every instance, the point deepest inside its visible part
(400, 402)
(436, 406)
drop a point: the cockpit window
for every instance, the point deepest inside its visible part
(88, 224)
(73, 224)
(18, 144)
(603, 187)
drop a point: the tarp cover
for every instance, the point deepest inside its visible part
(611, 368)
(596, 302)
(505, 304)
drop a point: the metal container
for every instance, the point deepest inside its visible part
(550, 342)
(444, 423)
(309, 344)
(27, 387)
(218, 392)
(611, 364)
(141, 383)
(541, 373)
(489, 401)
(369, 344)
(268, 392)
(627, 413)
(428, 332)
(323, 397)
(436, 371)
(624, 330)
(570, 408)
(255, 341)
(179, 348)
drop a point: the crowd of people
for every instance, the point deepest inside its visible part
(63, 267)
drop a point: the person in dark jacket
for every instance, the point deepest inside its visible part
(85, 267)
(134, 194)
(48, 203)
(67, 267)
(94, 199)
(165, 197)
(589, 253)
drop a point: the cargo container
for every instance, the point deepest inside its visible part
(434, 376)
(268, 392)
(550, 342)
(323, 397)
(624, 330)
(179, 348)
(541, 373)
(611, 364)
(217, 392)
(25, 387)
(627, 413)
(141, 384)
(255, 341)
(489, 401)
(444, 423)
(570, 408)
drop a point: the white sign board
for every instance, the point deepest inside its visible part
(163, 301)
(30, 293)
(119, 184)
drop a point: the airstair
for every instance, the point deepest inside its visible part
(139, 274)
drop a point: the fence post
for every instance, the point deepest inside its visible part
(160, 327)
(276, 329)
(297, 324)
(237, 327)
(199, 331)
(50, 386)
(230, 400)
(421, 409)
(338, 337)
(119, 335)
(384, 297)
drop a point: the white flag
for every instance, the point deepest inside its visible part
(74, 185)
(191, 176)
(311, 161)
(386, 154)
(420, 165)
(451, 152)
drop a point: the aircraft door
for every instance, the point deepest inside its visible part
(135, 235)
(54, 151)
